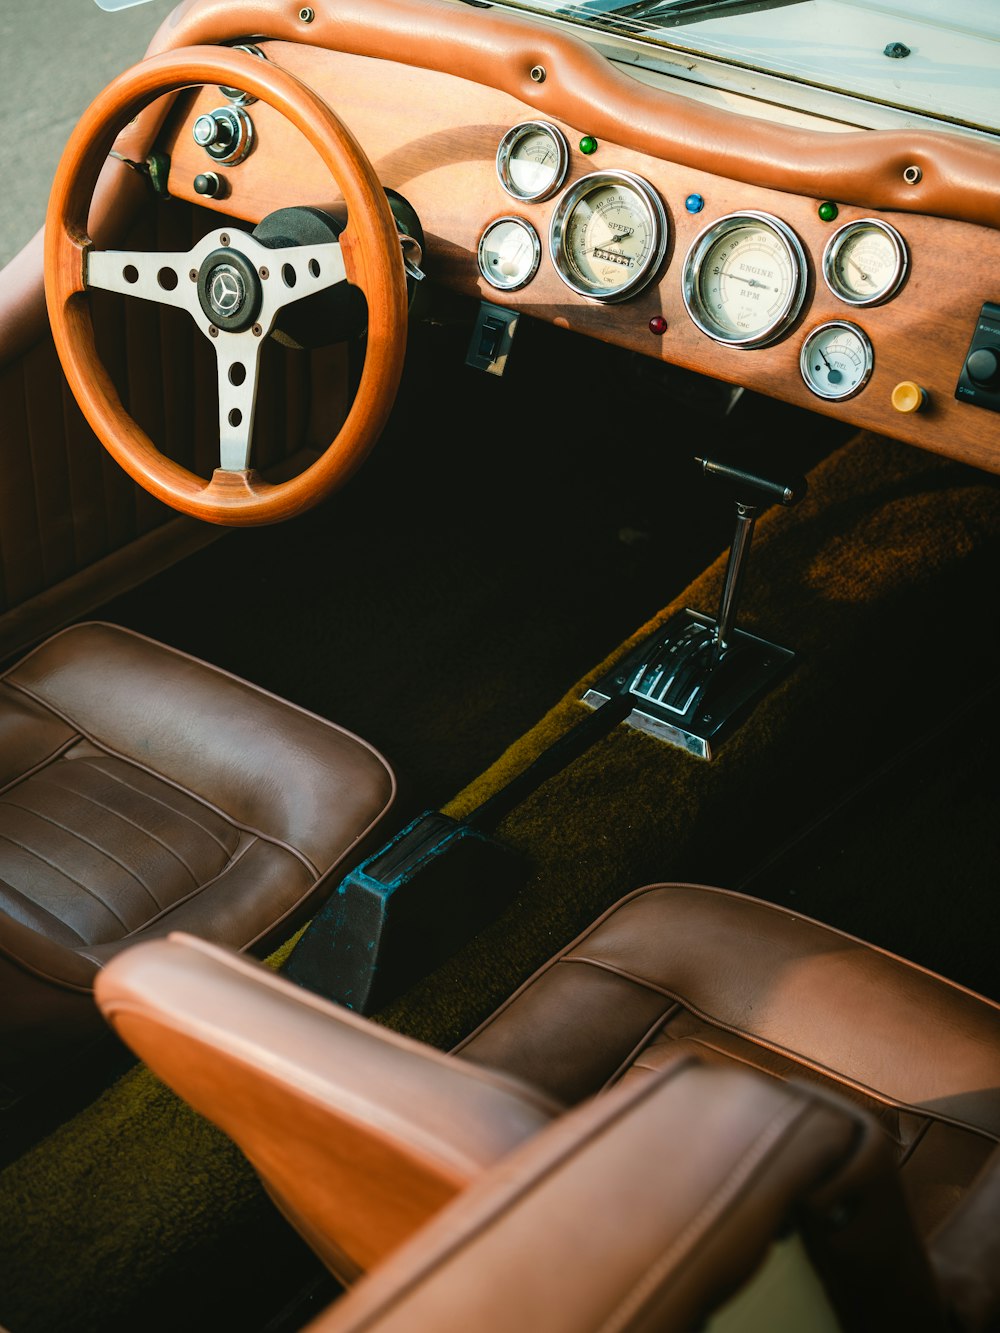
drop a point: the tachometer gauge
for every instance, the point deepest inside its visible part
(608, 235)
(864, 262)
(509, 251)
(836, 360)
(532, 160)
(745, 279)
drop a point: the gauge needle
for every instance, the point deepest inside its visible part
(747, 282)
(834, 376)
(861, 273)
(612, 236)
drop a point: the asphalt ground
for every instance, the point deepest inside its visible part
(55, 55)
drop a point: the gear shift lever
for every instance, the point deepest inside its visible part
(695, 679)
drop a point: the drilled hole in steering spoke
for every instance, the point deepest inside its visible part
(235, 417)
(314, 267)
(289, 275)
(237, 373)
(130, 273)
(167, 278)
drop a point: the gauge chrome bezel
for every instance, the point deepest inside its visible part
(869, 365)
(536, 253)
(659, 229)
(505, 151)
(695, 259)
(836, 244)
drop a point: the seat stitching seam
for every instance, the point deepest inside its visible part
(117, 814)
(42, 763)
(72, 879)
(129, 786)
(198, 889)
(177, 786)
(803, 1060)
(101, 851)
(38, 907)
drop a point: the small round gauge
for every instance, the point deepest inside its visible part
(608, 235)
(836, 360)
(745, 279)
(509, 251)
(532, 160)
(865, 262)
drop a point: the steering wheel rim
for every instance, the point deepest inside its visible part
(372, 260)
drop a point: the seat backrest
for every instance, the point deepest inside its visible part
(359, 1134)
(703, 1197)
(699, 1192)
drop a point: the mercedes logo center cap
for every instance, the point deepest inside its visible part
(229, 290)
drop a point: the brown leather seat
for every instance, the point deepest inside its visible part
(362, 1136)
(144, 791)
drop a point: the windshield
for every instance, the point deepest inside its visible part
(926, 57)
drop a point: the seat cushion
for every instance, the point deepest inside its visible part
(675, 967)
(142, 790)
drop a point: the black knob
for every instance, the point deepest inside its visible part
(983, 367)
(208, 183)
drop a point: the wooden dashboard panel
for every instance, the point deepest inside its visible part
(433, 137)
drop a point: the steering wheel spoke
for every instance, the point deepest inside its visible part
(298, 271)
(238, 357)
(152, 276)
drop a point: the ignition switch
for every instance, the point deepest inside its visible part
(226, 134)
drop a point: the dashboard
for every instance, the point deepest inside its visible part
(852, 273)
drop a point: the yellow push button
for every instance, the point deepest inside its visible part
(908, 397)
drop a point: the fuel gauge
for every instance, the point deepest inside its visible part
(836, 360)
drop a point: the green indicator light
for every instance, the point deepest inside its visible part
(828, 211)
(588, 144)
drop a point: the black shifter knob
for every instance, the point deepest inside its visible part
(788, 492)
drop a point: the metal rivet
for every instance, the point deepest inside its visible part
(265, 273)
(912, 175)
(257, 330)
(213, 331)
(306, 14)
(193, 274)
(538, 73)
(224, 238)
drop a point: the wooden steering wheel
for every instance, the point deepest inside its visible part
(232, 286)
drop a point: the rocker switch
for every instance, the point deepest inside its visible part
(491, 338)
(979, 382)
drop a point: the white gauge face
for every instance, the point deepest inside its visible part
(509, 251)
(836, 360)
(532, 160)
(744, 279)
(608, 235)
(865, 262)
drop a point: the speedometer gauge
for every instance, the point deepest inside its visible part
(608, 235)
(745, 279)
(864, 262)
(532, 160)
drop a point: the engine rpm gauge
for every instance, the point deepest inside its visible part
(745, 279)
(608, 235)
(865, 262)
(836, 360)
(532, 160)
(509, 251)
